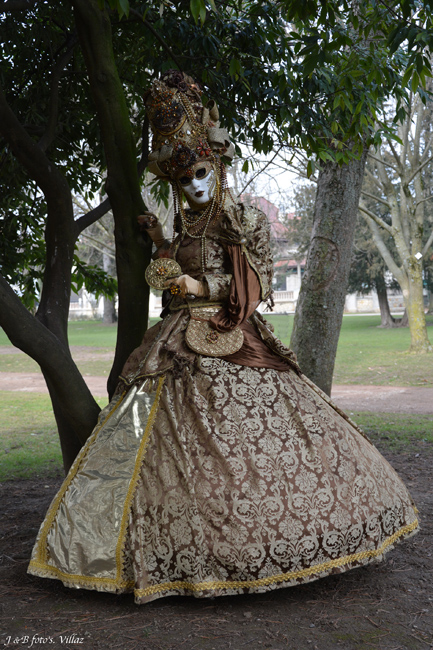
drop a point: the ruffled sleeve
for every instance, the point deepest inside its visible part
(247, 234)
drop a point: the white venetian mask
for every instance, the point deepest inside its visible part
(199, 184)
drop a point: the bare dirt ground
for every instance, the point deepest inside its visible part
(388, 606)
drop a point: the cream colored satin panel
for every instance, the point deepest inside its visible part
(84, 537)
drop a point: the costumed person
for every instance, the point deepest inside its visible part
(217, 468)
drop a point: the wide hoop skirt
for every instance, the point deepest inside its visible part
(222, 480)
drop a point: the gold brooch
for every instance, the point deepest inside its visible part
(212, 336)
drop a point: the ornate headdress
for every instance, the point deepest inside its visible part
(184, 131)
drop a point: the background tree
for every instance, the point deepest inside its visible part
(368, 272)
(398, 171)
(96, 247)
(71, 113)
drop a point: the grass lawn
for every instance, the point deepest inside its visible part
(402, 432)
(366, 354)
(29, 444)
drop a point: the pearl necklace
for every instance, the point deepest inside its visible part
(209, 214)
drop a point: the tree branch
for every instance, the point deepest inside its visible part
(383, 249)
(158, 37)
(426, 149)
(394, 153)
(58, 69)
(28, 152)
(259, 172)
(103, 247)
(60, 230)
(376, 219)
(418, 169)
(373, 179)
(32, 337)
(382, 162)
(376, 198)
(428, 198)
(90, 217)
(428, 244)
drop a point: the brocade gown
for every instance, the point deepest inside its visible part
(212, 476)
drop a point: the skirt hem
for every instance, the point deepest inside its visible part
(212, 588)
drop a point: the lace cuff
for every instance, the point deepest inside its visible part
(218, 285)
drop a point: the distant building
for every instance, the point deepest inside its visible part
(288, 271)
(84, 306)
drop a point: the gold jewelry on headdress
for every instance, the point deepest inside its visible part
(184, 133)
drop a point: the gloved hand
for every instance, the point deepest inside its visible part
(149, 223)
(187, 284)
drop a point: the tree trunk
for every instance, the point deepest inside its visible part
(109, 316)
(414, 301)
(45, 337)
(404, 320)
(75, 410)
(386, 319)
(122, 187)
(401, 322)
(319, 311)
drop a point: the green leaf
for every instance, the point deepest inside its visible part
(325, 156)
(195, 6)
(406, 77)
(359, 106)
(235, 67)
(202, 12)
(123, 8)
(245, 167)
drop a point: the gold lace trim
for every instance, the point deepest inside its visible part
(134, 479)
(283, 577)
(40, 565)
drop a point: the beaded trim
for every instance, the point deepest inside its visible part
(308, 572)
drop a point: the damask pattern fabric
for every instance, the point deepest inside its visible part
(229, 478)
(251, 481)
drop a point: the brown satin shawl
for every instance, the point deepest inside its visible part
(244, 298)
